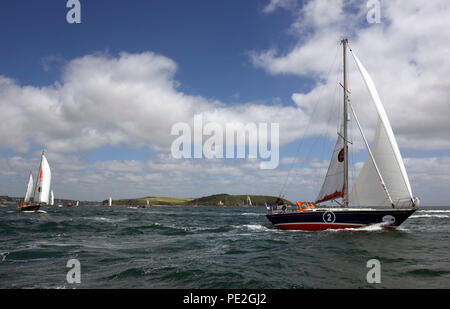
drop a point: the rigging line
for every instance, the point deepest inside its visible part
(307, 127)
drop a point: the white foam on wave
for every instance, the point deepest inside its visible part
(4, 255)
(371, 228)
(252, 214)
(103, 219)
(429, 216)
(434, 211)
(255, 227)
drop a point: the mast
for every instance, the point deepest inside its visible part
(345, 191)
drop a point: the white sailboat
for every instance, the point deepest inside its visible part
(77, 204)
(52, 198)
(249, 201)
(110, 201)
(383, 180)
(27, 197)
(42, 189)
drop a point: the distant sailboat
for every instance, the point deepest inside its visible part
(249, 201)
(110, 201)
(220, 203)
(382, 181)
(52, 198)
(41, 191)
(77, 204)
(143, 206)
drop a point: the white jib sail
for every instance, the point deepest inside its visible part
(42, 190)
(367, 188)
(110, 201)
(27, 197)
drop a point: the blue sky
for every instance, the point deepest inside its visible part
(251, 61)
(209, 40)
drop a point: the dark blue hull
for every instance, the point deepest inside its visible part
(32, 207)
(323, 219)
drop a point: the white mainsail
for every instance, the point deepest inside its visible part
(333, 185)
(42, 190)
(52, 198)
(27, 197)
(367, 188)
(110, 201)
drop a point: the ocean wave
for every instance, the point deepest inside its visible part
(252, 214)
(369, 228)
(426, 272)
(103, 219)
(4, 255)
(429, 216)
(256, 227)
(435, 211)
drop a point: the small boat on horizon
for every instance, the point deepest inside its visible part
(382, 182)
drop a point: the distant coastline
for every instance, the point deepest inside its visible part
(211, 200)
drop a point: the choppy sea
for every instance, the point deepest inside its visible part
(214, 248)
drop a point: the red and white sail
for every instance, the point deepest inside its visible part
(42, 190)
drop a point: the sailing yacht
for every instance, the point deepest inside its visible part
(42, 189)
(52, 198)
(383, 180)
(249, 201)
(110, 201)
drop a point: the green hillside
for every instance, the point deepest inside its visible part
(212, 200)
(234, 200)
(152, 200)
